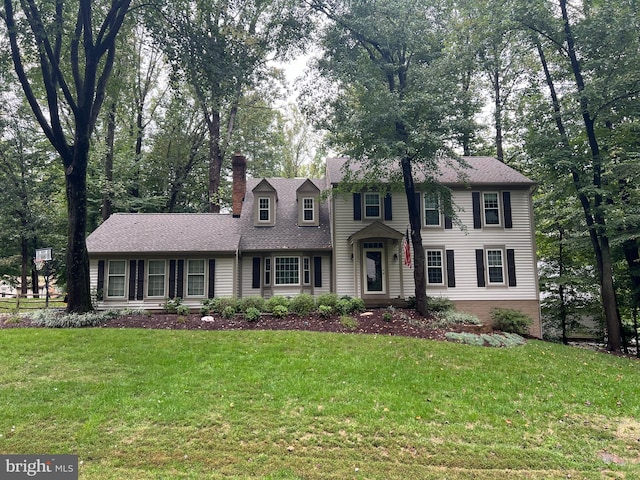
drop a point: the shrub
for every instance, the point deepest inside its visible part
(327, 299)
(252, 314)
(275, 301)
(171, 304)
(183, 310)
(220, 305)
(489, 340)
(452, 317)
(348, 305)
(229, 312)
(207, 306)
(256, 302)
(439, 304)
(349, 322)
(57, 319)
(325, 311)
(387, 316)
(511, 321)
(302, 304)
(280, 311)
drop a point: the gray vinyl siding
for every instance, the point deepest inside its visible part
(462, 242)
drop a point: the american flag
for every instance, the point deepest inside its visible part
(406, 249)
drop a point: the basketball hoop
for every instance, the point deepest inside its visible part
(39, 263)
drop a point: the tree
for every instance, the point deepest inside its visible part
(74, 44)
(221, 49)
(589, 61)
(383, 57)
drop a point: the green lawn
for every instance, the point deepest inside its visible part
(140, 404)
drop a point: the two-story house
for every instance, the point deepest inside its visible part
(291, 236)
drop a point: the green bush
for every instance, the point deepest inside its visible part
(280, 311)
(244, 304)
(183, 310)
(347, 305)
(349, 322)
(325, 311)
(252, 314)
(387, 316)
(327, 299)
(452, 317)
(302, 304)
(276, 301)
(58, 319)
(171, 304)
(439, 304)
(511, 321)
(220, 305)
(229, 312)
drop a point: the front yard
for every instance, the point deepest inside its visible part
(150, 404)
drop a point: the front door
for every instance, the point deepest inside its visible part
(374, 269)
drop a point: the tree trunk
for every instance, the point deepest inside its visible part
(107, 203)
(24, 271)
(419, 277)
(78, 290)
(498, 116)
(215, 162)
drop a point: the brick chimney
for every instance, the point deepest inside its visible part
(239, 169)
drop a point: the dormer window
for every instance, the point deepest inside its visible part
(308, 210)
(307, 198)
(264, 209)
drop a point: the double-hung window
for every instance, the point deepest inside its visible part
(267, 271)
(431, 210)
(495, 266)
(491, 208)
(372, 205)
(195, 278)
(116, 278)
(306, 271)
(156, 278)
(264, 209)
(435, 268)
(307, 210)
(287, 271)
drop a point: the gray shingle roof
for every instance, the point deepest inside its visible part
(285, 234)
(165, 233)
(479, 171)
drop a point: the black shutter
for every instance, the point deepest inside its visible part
(140, 292)
(172, 279)
(357, 206)
(477, 222)
(451, 270)
(511, 267)
(255, 282)
(317, 271)
(480, 267)
(418, 197)
(212, 278)
(180, 280)
(132, 279)
(100, 286)
(448, 222)
(506, 206)
(388, 214)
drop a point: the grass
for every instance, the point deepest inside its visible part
(145, 404)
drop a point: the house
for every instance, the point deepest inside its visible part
(288, 236)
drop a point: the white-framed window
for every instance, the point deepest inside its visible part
(431, 210)
(264, 209)
(372, 205)
(306, 271)
(435, 267)
(116, 278)
(491, 208)
(156, 278)
(267, 271)
(308, 209)
(287, 271)
(495, 267)
(195, 278)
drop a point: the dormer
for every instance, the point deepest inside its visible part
(308, 199)
(264, 204)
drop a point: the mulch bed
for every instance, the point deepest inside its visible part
(405, 322)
